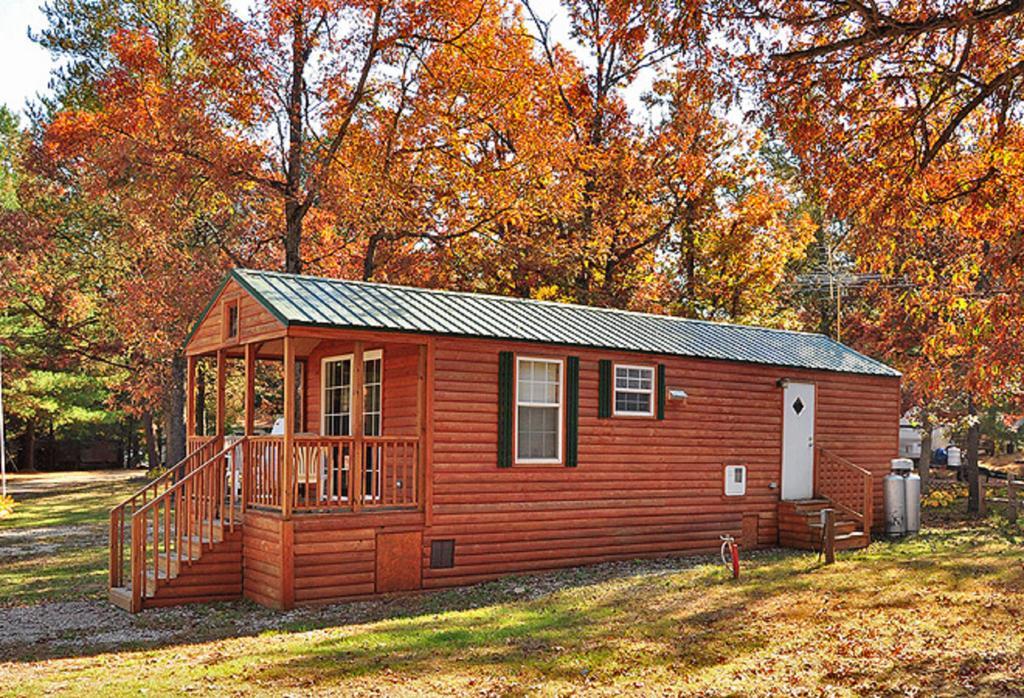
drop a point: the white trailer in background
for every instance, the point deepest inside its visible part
(910, 439)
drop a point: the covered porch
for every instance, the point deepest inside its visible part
(306, 445)
(344, 432)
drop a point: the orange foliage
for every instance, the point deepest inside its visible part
(907, 115)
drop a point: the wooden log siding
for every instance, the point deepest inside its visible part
(643, 487)
(329, 557)
(400, 372)
(262, 557)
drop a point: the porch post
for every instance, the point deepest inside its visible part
(222, 375)
(190, 399)
(358, 450)
(287, 448)
(250, 389)
(421, 424)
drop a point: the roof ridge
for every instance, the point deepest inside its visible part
(559, 304)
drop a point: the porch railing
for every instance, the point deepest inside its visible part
(261, 478)
(847, 485)
(200, 449)
(335, 473)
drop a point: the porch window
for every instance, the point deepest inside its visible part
(337, 417)
(538, 410)
(372, 402)
(337, 394)
(634, 390)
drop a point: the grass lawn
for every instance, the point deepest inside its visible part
(941, 614)
(54, 544)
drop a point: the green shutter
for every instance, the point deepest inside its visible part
(572, 411)
(661, 391)
(506, 386)
(604, 388)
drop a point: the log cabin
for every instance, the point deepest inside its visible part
(431, 438)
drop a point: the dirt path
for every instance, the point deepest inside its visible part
(21, 485)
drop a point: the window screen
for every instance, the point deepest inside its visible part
(538, 410)
(634, 390)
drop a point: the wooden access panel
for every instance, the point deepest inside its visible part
(399, 561)
(750, 526)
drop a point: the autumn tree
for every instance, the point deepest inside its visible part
(60, 361)
(142, 221)
(666, 206)
(907, 114)
(453, 147)
(214, 140)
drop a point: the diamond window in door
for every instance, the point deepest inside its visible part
(798, 406)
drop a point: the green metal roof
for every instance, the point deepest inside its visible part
(314, 301)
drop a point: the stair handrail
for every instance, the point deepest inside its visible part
(187, 510)
(211, 445)
(147, 493)
(861, 510)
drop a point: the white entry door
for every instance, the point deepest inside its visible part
(798, 441)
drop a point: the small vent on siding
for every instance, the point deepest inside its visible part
(442, 554)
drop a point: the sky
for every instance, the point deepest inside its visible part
(27, 66)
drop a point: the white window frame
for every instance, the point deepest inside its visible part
(615, 391)
(560, 431)
(367, 356)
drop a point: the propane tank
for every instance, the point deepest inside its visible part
(894, 489)
(952, 457)
(913, 502)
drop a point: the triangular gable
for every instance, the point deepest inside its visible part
(255, 318)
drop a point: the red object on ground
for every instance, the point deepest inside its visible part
(735, 550)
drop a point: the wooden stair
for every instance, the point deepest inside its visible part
(213, 572)
(180, 537)
(800, 526)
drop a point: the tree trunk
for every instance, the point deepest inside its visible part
(924, 465)
(293, 239)
(970, 463)
(28, 450)
(52, 436)
(370, 260)
(130, 462)
(294, 211)
(175, 412)
(152, 457)
(689, 264)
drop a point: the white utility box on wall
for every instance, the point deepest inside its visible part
(735, 480)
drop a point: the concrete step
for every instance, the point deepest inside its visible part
(121, 597)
